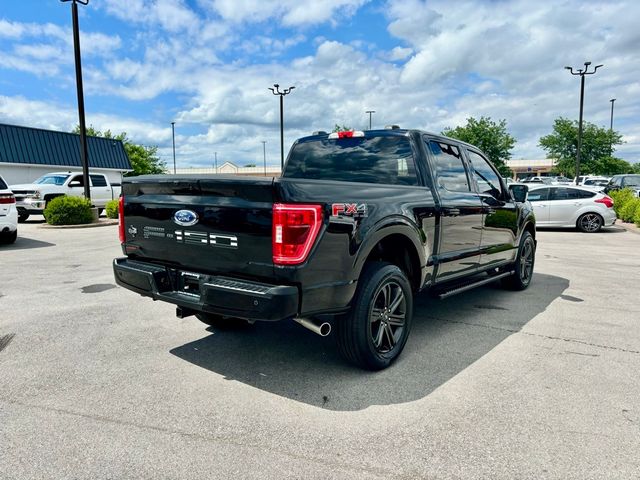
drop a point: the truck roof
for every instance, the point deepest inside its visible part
(391, 132)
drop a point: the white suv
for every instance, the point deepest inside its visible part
(8, 214)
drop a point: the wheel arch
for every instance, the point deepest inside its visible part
(397, 244)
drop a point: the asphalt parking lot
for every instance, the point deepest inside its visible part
(96, 382)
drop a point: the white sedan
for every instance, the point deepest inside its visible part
(8, 214)
(562, 206)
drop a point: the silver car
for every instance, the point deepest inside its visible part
(562, 206)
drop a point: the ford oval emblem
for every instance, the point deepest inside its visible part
(185, 218)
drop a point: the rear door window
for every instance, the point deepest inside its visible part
(570, 194)
(384, 159)
(451, 173)
(3, 186)
(98, 181)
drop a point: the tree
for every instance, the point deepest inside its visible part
(343, 128)
(144, 159)
(611, 166)
(562, 144)
(490, 137)
(248, 165)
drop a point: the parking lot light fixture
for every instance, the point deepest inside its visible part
(173, 136)
(84, 150)
(581, 72)
(370, 112)
(276, 91)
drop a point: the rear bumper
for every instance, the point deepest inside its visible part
(208, 293)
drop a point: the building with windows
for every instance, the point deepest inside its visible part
(28, 153)
(522, 168)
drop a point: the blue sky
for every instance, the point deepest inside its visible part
(206, 64)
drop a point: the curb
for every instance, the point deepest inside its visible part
(629, 227)
(100, 223)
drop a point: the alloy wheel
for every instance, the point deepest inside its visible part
(388, 316)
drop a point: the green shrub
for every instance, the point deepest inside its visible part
(637, 219)
(620, 199)
(68, 211)
(629, 210)
(112, 209)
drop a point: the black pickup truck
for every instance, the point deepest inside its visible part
(358, 223)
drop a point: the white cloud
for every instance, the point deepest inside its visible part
(292, 13)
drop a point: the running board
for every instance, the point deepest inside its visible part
(470, 286)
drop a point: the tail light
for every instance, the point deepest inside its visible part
(607, 200)
(295, 229)
(121, 219)
(7, 198)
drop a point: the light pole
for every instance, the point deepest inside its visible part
(286, 91)
(582, 73)
(84, 150)
(173, 135)
(613, 100)
(216, 156)
(264, 156)
(370, 112)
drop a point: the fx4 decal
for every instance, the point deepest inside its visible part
(349, 209)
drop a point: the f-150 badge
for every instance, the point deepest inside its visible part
(349, 209)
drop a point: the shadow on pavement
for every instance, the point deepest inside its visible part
(447, 336)
(24, 243)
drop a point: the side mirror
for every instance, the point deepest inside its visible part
(519, 192)
(75, 183)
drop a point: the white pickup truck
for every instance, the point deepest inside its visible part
(32, 198)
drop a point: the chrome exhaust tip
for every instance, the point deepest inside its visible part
(320, 328)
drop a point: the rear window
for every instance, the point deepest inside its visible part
(388, 160)
(3, 186)
(98, 181)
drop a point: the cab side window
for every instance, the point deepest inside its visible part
(450, 171)
(485, 176)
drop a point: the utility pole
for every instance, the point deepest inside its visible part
(370, 112)
(84, 150)
(216, 155)
(264, 156)
(286, 91)
(581, 72)
(611, 129)
(173, 135)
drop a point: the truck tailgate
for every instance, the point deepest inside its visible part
(208, 224)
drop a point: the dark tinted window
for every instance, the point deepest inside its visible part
(450, 170)
(485, 176)
(3, 186)
(386, 160)
(631, 181)
(538, 195)
(98, 181)
(570, 194)
(78, 178)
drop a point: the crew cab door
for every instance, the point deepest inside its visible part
(100, 190)
(499, 213)
(460, 211)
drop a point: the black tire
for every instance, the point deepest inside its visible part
(590, 223)
(23, 217)
(222, 323)
(373, 334)
(523, 267)
(9, 238)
